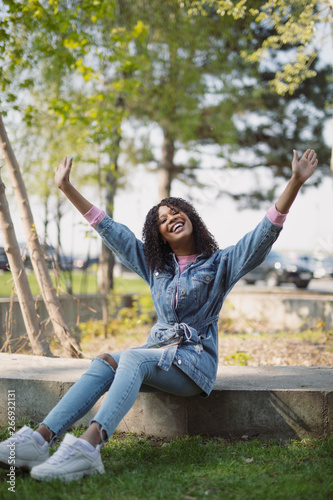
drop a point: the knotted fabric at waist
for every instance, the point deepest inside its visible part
(174, 335)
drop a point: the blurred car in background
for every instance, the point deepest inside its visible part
(84, 263)
(66, 262)
(278, 268)
(4, 266)
(306, 261)
(324, 268)
(25, 255)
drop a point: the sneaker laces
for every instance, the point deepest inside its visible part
(21, 437)
(17, 437)
(63, 452)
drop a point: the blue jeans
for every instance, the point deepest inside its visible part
(137, 370)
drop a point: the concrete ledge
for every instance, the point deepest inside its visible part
(264, 402)
(273, 310)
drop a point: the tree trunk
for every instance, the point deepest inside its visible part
(105, 270)
(52, 304)
(38, 342)
(107, 259)
(58, 221)
(331, 165)
(46, 218)
(330, 17)
(166, 167)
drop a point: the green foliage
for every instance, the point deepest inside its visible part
(144, 307)
(90, 329)
(123, 319)
(78, 69)
(229, 101)
(82, 68)
(239, 358)
(189, 58)
(139, 311)
(294, 25)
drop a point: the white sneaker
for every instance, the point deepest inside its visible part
(23, 450)
(72, 460)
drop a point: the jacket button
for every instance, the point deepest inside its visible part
(183, 292)
(179, 361)
(207, 278)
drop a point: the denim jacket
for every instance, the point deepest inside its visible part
(202, 288)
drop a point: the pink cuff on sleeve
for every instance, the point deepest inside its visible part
(94, 216)
(275, 216)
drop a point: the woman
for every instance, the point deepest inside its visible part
(189, 279)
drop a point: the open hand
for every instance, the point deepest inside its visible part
(304, 168)
(62, 173)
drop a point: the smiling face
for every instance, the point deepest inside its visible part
(177, 230)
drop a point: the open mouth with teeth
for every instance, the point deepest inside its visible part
(176, 228)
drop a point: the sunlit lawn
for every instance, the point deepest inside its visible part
(193, 468)
(80, 281)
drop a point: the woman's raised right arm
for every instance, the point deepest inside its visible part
(116, 236)
(62, 181)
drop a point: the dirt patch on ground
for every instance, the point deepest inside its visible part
(276, 350)
(284, 349)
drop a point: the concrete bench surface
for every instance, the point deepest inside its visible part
(284, 402)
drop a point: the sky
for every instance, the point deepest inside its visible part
(308, 227)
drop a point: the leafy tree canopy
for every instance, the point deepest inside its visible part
(302, 26)
(201, 92)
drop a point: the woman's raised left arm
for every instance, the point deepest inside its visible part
(302, 169)
(253, 248)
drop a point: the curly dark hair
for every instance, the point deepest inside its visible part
(158, 254)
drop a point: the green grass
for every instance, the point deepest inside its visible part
(143, 467)
(85, 283)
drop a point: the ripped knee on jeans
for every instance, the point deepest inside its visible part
(109, 359)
